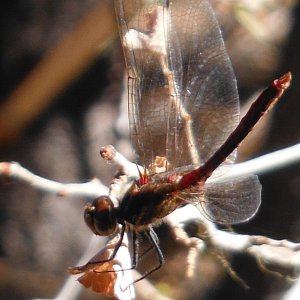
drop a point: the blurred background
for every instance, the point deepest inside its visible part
(62, 74)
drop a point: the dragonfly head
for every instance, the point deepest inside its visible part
(100, 216)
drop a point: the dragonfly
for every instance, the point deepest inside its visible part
(184, 122)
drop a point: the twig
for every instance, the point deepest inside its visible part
(267, 163)
(91, 189)
(281, 253)
(294, 292)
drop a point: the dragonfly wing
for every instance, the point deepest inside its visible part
(148, 94)
(205, 82)
(183, 100)
(232, 201)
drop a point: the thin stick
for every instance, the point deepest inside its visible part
(91, 189)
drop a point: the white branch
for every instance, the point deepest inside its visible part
(91, 189)
(267, 163)
(95, 188)
(280, 253)
(294, 292)
(127, 167)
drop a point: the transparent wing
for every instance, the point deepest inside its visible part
(183, 100)
(232, 201)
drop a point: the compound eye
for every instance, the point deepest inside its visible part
(100, 216)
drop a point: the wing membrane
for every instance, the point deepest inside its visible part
(232, 201)
(183, 100)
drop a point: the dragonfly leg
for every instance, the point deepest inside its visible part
(151, 235)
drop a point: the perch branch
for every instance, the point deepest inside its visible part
(91, 189)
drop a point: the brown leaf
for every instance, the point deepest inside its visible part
(112, 278)
(99, 282)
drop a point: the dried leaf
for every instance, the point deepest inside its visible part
(99, 282)
(112, 278)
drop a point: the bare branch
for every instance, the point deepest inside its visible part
(280, 253)
(127, 167)
(267, 163)
(91, 189)
(294, 292)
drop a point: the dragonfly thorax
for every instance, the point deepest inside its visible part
(149, 203)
